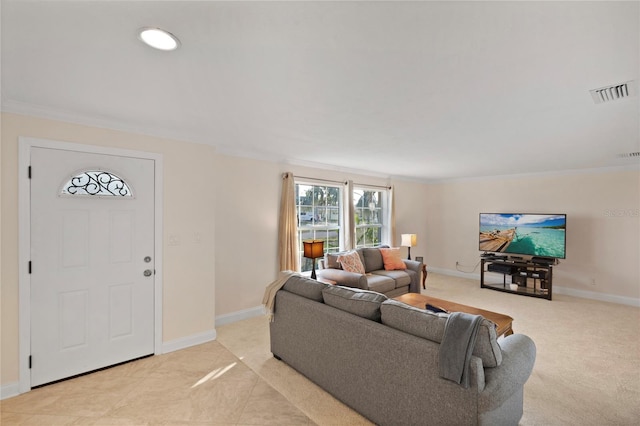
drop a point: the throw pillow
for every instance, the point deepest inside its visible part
(351, 262)
(391, 259)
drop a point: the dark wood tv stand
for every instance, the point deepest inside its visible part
(528, 277)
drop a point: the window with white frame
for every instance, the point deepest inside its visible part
(319, 209)
(370, 217)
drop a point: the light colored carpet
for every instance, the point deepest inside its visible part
(587, 369)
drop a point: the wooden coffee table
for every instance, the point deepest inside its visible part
(503, 322)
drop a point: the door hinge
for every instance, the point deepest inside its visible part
(29, 172)
(29, 266)
(30, 362)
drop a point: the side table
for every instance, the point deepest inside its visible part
(424, 275)
(307, 274)
(326, 281)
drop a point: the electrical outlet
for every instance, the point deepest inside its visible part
(593, 281)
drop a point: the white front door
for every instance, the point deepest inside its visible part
(92, 261)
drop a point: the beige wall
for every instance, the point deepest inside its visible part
(602, 224)
(202, 189)
(189, 198)
(220, 273)
(248, 195)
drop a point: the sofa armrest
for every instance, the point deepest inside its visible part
(416, 269)
(413, 265)
(518, 357)
(345, 278)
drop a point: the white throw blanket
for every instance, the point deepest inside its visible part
(270, 292)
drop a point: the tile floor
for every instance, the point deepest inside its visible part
(202, 385)
(587, 372)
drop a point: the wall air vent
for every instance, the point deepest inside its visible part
(613, 93)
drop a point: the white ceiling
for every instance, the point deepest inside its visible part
(421, 90)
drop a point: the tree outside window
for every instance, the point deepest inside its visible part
(369, 217)
(320, 210)
(319, 218)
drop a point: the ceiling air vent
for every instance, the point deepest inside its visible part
(629, 155)
(615, 92)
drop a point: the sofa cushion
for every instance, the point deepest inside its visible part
(351, 262)
(305, 287)
(331, 261)
(487, 346)
(429, 325)
(391, 259)
(372, 259)
(380, 283)
(359, 302)
(401, 278)
(418, 322)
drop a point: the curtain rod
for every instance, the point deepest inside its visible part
(321, 180)
(343, 182)
(365, 185)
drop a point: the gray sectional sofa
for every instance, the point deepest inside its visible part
(381, 357)
(376, 278)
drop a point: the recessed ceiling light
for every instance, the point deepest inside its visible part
(158, 39)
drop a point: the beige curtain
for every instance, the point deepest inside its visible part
(392, 218)
(348, 213)
(288, 226)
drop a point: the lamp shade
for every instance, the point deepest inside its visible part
(313, 249)
(409, 240)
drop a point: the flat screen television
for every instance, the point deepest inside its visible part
(539, 235)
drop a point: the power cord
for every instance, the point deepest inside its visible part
(458, 266)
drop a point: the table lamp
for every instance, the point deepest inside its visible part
(409, 240)
(313, 249)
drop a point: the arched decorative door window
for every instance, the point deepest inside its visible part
(99, 183)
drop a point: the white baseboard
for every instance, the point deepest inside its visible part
(584, 294)
(208, 336)
(240, 315)
(603, 297)
(7, 391)
(188, 341)
(452, 273)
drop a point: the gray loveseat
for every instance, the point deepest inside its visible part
(381, 357)
(376, 278)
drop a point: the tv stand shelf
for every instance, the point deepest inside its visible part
(528, 277)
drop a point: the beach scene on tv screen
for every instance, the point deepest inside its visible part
(528, 234)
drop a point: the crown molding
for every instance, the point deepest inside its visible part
(49, 113)
(553, 173)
